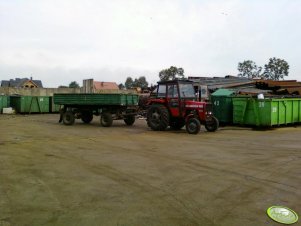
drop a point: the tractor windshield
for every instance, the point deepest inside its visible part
(186, 90)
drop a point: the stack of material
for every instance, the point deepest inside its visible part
(214, 83)
(286, 87)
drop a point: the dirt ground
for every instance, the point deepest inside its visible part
(51, 174)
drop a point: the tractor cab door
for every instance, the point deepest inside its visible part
(173, 101)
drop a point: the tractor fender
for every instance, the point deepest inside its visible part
(189, 116)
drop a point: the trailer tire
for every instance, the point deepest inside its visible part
(157, 117)
(211, 124)
(193, 126)
(129, 120)
(68, 118)
(106, 119)
(87, 116)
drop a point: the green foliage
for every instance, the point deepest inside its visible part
(171, 73)
(276, 69)
(140, 82)
(248, 69)
(63, 86)
(121, 86)
(74, 84)
(129, 83)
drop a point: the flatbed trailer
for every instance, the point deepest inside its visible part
(109, 106)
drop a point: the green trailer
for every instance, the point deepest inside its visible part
(30, 104)
(110, 106)
(222, 106)
(266, 112)
(4, 102)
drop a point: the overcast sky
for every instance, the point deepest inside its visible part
(59, 41)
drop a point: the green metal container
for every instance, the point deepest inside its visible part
(4, 102)
(222, 105)
(96, 99)
(266, 112)
(30, 104)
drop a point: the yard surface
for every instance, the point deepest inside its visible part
(51, 174)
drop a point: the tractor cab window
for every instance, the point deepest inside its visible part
(162, 90)
(186, 90)
(172, 91)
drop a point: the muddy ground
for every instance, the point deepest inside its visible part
(51, 174)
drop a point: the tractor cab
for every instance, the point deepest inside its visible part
(174, 104)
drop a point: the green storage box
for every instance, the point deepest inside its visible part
(96, 99)
(222, 105)
(266, 112)
(4, 102)
(30, 104)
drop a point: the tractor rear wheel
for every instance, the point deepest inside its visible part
(68, 118)
(106, 119)
(193, 126)
(129, 120)
(177, 123)
(157, 117)
(87, 116)
(211, 124)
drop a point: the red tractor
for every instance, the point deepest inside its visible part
(174, 104)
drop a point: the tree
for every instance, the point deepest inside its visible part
(121, 86)
(74, 84)
(141, 82)
(276, 69)
(129, 83)
(171, 73)
(63, 86)
(248, 69)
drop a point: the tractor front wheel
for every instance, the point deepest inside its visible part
(193, 126)
(211, 124)
(157, 117)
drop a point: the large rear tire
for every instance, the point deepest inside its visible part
(68, 118)
(193, 126)
(87, 116)
(211, 124)
(106, 119)
(129, 120)
(157, 117)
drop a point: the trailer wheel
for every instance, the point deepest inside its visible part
(193, 126)
(87, 116)
(106, 119)
(211, 124)
(129, 120)
(68, 118)
(157, 117)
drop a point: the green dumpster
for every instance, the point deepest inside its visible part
(266, 112)
(4, 102)
(30, 104)
(222, 105)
